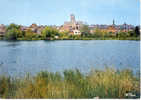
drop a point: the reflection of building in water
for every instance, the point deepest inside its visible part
(72, 26)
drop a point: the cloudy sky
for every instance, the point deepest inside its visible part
(55, 12)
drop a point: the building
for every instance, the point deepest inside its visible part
(76, 32)
(72, 26)
(34, 28)
(2, 29)
(112, 28)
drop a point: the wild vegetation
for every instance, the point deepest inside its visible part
(13, 32)
(108, 83)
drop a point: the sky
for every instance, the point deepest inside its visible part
(55, 12)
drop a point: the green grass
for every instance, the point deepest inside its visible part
(108, 83)
(80, 38)
(99, 38)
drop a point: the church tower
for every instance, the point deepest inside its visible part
(72, 18)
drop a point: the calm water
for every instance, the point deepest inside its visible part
(19, 58)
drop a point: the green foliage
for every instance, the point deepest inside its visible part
(13, 32)
(137, 30)
(108, 83)
(8, 87)
(49, 32)
(85, 30)
(29, 34)
(64, 35)
(4, 86)
(123, 35)
(97, 32)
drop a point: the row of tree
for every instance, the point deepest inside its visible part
(14, 32)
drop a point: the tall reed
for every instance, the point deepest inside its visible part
(107, 83)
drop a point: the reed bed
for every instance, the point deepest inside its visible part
(107, 83)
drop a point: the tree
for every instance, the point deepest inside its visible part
(97, 32)
(12, 32)
(85, 30)
(29, 34)
(137, 31)
(64, 33)
(131, 33)
(49, 32)
(123, 35)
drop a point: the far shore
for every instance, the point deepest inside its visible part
(107, 38)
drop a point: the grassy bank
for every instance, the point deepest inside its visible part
(77, 38)
(108, 83)
(85, 38)
(99, 38)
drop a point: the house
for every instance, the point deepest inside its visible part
(34, 28)
(39, 29)
(76, 32)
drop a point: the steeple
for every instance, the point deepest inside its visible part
(72, 18)
(113, 22)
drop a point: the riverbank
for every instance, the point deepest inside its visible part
(99, 38)
(108, 83)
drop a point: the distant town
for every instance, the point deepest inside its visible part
(74, 27)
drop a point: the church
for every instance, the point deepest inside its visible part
(72, 26)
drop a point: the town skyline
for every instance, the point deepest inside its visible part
(84, 22)
(74, 27)
(26, 12)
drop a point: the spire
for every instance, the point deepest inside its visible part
(113, 22)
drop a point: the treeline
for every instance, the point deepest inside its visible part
(14, 32)
(108, 83)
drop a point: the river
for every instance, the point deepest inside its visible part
(22, 57)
